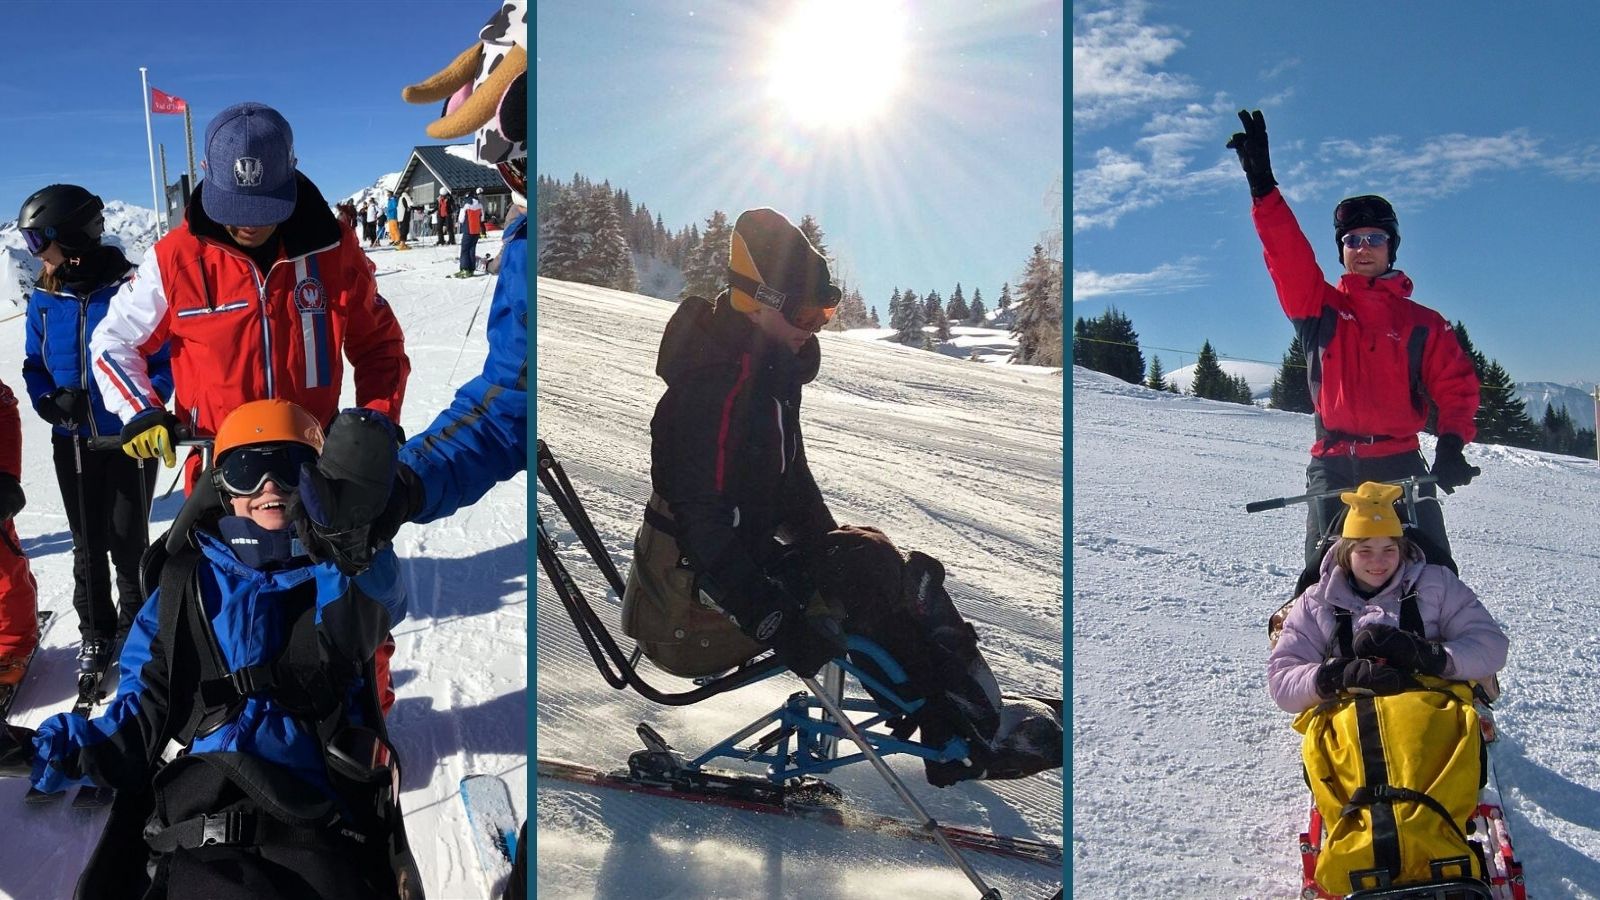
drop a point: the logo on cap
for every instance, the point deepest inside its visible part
(248, 171)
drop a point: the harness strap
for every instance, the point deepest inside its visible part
(1368, 794)
(241, 829)
(1410, 621)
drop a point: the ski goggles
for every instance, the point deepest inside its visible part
(244, 472)
(803, 314)
(1370, 239)
(36, 239)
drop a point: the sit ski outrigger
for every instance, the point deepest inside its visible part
(797, 740)
(1486, 830)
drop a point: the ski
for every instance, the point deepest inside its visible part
(756, 794)
(494, 825)
(8, 692)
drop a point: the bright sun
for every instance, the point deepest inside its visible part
(838, 63)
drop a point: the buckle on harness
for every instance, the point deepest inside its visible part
(225, 828)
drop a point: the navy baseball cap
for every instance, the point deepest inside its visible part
(250, 174)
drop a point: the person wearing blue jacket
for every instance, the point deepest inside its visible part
(105, 492)
(274, 722)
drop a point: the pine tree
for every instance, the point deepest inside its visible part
(1210, 382)
(808, 226)
(875, 322)
(1242, 392)
(932, 306)
(977, 313)
(1005, 296)
(1157, 379)
(913, 317)
(940, 323)
(607, 262)
(1119, 346)
(852, 312)
(564, 237)
(1291, 391)
(705, 269)
(1502, 416)
(897, 313)
(1039, 325)
(1086, 350)
(956, 310)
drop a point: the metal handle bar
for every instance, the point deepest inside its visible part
(1409, 484)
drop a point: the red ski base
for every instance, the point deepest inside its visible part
(1504, 871)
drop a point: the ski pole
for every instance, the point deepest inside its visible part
(906, 797)
(83, 526)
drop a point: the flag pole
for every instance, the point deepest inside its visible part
(188, 139)
(150, 142)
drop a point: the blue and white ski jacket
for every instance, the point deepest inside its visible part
(56, 353)
(248, 613)
(482, 439)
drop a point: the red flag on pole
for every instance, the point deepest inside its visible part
(166, 103)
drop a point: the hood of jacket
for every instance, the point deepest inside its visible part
(311, 227)
(708, 334)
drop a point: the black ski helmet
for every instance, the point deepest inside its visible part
(64, 213)
(1366, 211)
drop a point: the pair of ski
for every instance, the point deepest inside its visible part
(493, 821)
(8, 692)
(91, 690)
(740, 791)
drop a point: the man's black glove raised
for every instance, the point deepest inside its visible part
(1251, 145)
(358, 495)
(1400, 649)
(66, 407)
(12, 500)
(1450, 468)
(16, 751)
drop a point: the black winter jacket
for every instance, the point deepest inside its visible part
(727, 454)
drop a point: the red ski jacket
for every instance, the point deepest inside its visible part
(1374, 358)
(237, 334)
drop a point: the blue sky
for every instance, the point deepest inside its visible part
(1480, 122)
(955, 180)
(70, 107)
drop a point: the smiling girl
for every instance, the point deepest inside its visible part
(1405, 616)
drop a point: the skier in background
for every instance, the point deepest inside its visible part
(447, 218)
(471, 229)
(1375, 358)
(106, 494)
(19, 623)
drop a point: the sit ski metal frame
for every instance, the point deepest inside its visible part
(814, 738)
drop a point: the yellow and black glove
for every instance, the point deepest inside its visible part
(150, 435)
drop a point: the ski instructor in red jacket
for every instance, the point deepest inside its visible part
(258, 294)
(1375, 359)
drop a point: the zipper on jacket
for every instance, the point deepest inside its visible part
(262, 280)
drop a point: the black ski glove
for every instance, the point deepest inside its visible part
(66, 407)
(1450, 467)
(1377, 678)
(1330, 677)
(351, 504)
(12, 500)
(1251, 145)
(1400, 649)
(16, 751)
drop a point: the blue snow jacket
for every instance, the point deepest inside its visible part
(56, 353)
(482, 439)
(249, 613)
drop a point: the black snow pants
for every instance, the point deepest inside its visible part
(108, 511)
(1349, 472)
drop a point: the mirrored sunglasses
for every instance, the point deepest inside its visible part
(1371, 239)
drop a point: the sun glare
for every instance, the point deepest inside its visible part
(838, 63)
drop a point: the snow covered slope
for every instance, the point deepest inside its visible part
(460, 670)
(1186, 777)
(958, 460)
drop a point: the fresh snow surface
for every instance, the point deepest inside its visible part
(1186, 776)
(461, 666)
(957, 460)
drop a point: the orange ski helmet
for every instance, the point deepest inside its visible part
(266, 422)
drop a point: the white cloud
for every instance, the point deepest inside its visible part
(1165, 278)
(1116, 62)
(1436, 167)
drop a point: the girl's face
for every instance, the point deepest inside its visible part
(1373, 561)
(51, 256)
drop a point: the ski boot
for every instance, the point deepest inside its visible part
(94, 656)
